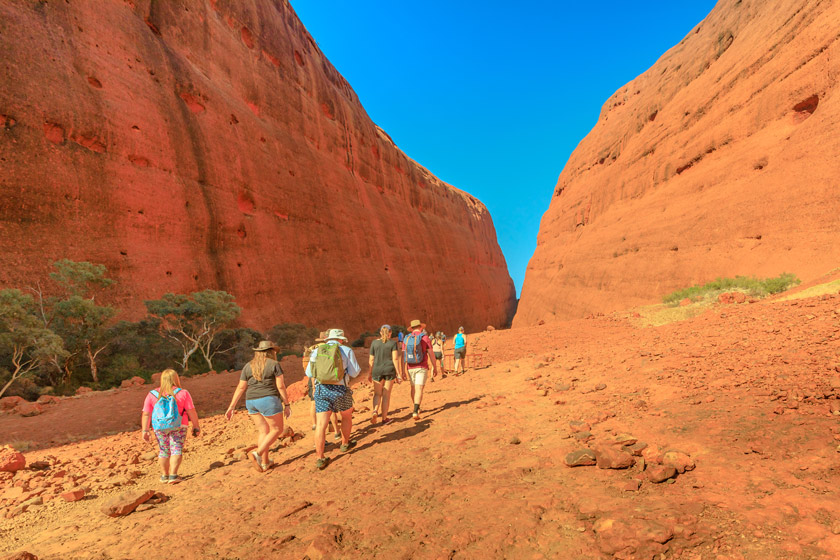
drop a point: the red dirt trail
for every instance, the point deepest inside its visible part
(745, 390)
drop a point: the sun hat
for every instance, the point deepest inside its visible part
(416, 324)
(335, 334)
(265, 346)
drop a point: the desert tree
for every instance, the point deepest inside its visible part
(24, 340)
(195, 322)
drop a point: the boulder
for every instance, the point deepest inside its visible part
(8, 403)
(23, 555)
(27, 409)
(611, 457)
(83, 390)
(133, 382)
(11, 460)
(126, 503)
(48, 399)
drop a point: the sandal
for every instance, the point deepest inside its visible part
(337, 436)
(386, 421)
(347, 446)
(321, 464)
(256, 460)
(269, 465)
(374, 419)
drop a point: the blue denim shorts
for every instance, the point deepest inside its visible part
(267, 406)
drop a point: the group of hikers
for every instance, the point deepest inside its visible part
(331, 369)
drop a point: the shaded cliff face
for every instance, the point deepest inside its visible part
(190, 145)
(719, 160)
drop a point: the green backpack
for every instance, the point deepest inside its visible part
(329, 368)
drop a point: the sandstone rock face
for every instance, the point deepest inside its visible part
(720, 160)
(191, 145)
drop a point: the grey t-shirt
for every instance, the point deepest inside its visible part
(267, 386)
(383, 363)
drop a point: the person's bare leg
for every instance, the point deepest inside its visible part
(312, 412)
(174, 464)
(335, 427)
(323, 419)
(418, 395)
(386, 397)
(262, 428)
(275, 428)
(346, 425)
(164, 465)
(377, 399)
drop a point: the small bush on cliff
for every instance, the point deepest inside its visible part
(753, 286)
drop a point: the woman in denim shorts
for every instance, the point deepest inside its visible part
(265, 398)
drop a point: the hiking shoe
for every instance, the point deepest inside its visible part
(164, 478)
(321, 464)
(415, 416)
(338, 437)
(347, 446)
(174, 479)
(374, 419)
(255, 458)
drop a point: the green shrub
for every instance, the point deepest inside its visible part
(292, 337)
(753, 286)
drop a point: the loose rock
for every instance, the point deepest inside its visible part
(660, 473)
(11, 460)
(580, 458)
(610, 457)
(126, 503)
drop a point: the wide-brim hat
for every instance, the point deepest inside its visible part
(265, 346)
(335, 334)
(417, 324)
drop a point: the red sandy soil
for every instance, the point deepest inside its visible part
(745, 390)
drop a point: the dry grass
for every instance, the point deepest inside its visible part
(814, 291)
(21, 446)
(663, 314)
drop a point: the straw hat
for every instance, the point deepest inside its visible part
(416, 324)
(265, 346)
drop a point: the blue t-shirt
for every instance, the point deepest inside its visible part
(460, 341)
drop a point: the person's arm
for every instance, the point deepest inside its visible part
(430, 353)
(281, 388)
(145, 424)
(370, 363)
(193, 416)
(353, 367)
(395, 357)
(237, 394)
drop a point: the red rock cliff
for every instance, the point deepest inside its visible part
(722, 159)
(210, 144)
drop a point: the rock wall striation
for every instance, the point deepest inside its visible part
(194, 144)
(720, 160)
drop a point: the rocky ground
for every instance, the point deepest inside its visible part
(713, 438)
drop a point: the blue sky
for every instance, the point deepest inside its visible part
(492, 96)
